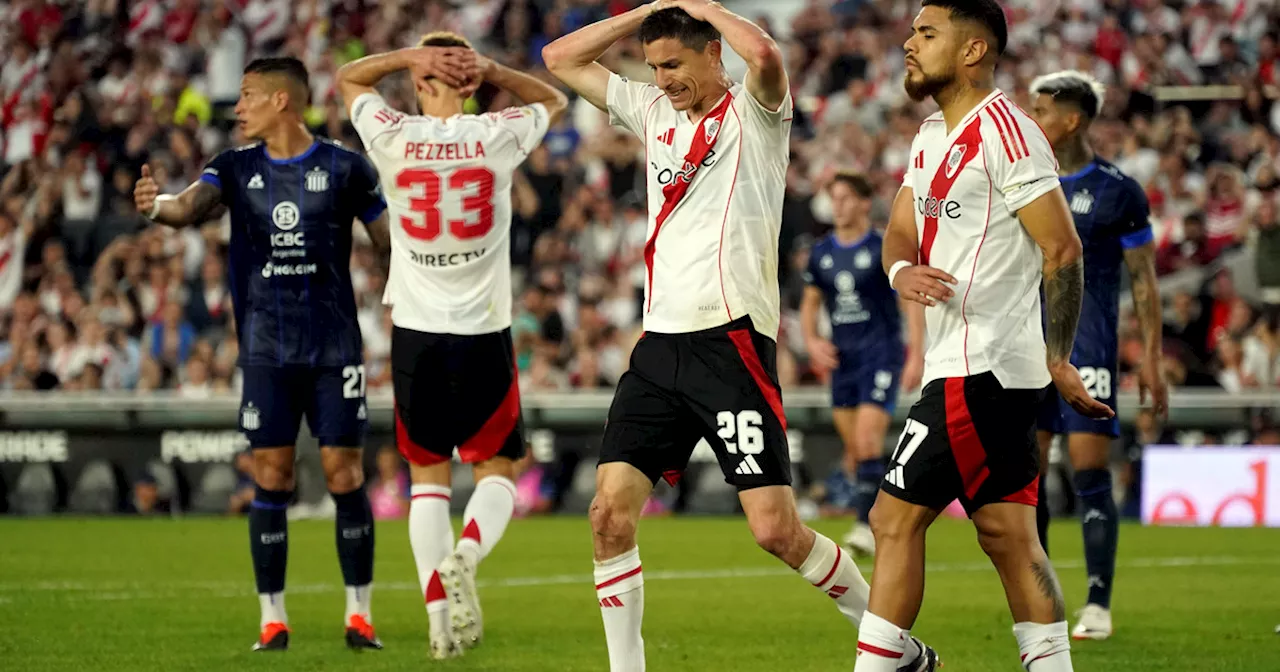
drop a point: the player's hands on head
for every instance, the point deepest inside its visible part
(659, 5)
(1067, 379)
(924, 284)
(823, 354)
(455, 66)
(145, 191)
(1151, 381)
(696, 8)
(483, 70)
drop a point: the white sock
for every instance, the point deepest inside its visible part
(1044, 648)
(359, 599)
(881, 645)
(488, 512)
(431, 537)
(272, 609)
(620, 590)
(832, 571)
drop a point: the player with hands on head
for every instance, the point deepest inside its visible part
(292, 199)
(448, 177)
(706, 367)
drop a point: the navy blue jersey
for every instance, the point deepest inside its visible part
(290, 264)
(865, 323)
(1111, 215)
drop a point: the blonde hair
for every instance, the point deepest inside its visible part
(444, 38)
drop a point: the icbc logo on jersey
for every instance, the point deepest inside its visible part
(286, 217)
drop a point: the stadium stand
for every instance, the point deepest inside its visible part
(92, 299)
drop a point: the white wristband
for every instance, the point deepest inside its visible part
(155, 210)
(897, 266)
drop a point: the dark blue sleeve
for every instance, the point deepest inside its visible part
(366, 194)
(810, 274)
(1134, 226)
(220, 168)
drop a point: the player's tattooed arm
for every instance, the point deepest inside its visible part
(380, 232)
(1049, 223)
(1141, 261)
(196, 204)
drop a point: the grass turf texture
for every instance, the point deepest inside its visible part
(115, 594)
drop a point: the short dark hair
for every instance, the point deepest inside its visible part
(675, 23)
(1072, 86)
(855, 181)
(989, 13)
(288, 67)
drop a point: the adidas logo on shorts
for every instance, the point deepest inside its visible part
(748, 467)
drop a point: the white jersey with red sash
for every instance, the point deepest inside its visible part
(715, 192)
(969, 185)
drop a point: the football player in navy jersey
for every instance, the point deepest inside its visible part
(865, 355)
(292, 199)
(1111, 216)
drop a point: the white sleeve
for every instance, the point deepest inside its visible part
(629, 102)
(1019, 156)
(372, 116)
(528, 124)
(763, 121)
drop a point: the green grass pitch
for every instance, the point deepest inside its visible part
(98, 595)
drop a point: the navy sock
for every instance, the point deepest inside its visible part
(1101, 527)
(1043, 516)
(354, 529)
(269, 538)
(869, 475)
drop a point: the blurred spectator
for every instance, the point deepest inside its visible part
(90, 91)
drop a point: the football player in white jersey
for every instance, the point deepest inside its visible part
(979, 222)
(717, 154)
(447, 180)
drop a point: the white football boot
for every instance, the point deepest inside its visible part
(459, 579)
(860, 541)
(1093, 622)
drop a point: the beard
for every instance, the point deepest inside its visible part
(927, 85)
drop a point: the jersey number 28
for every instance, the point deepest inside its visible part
(428, 226)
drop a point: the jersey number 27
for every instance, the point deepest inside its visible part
(429, 225)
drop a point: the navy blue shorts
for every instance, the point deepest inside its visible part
(331, 397)
(1057, 416)
(866, 384)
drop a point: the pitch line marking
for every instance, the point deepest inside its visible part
(111, 591)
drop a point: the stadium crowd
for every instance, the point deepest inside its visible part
(91, 298)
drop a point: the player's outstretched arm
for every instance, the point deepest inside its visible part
(572, 58)
(1049, 223)
(901, 252)
(766, 78)
(527, 88)
(1141, 261)
(454, 66)
(194, 205)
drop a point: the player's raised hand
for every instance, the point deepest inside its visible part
(696, 8)
(1067, 379)
(823, 354)
(1151, 381)
(455, 66)
(145, 191)
(923, 284)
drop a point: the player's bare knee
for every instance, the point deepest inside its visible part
(345, 478)
(890, 524)
(273, 474)
(777, 531)
(1008, 543)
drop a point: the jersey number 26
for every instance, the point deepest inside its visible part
(428, 226)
